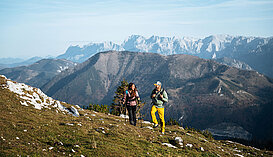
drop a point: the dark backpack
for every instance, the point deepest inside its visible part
(127, 97)
(161, 92)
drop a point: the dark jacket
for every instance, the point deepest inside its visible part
(157, 100)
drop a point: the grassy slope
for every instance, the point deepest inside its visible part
(38, 130)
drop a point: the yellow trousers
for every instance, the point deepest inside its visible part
(161, 116)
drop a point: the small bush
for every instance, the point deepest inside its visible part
(207, 134)
(172, 121)
(99, 108)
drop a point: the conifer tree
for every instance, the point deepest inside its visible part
(117, 107)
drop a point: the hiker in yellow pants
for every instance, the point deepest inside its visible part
(159, 97)
(161, 116)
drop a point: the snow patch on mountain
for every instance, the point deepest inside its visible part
(35, 97)
(62, 68)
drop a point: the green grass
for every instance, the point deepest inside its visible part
(38, 130)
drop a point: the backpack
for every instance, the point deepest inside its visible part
(127, 97)
(161, 93)
(163, 90)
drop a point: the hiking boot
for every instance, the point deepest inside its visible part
(156, 125)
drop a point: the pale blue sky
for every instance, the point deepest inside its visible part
(47, 27)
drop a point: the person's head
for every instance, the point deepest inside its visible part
(131, 86)
(158, 85)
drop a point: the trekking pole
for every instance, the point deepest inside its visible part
(125, 112)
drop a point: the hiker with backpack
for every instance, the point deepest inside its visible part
(131, 98)
(159, 97)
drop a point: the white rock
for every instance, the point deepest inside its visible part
(17, 138)
(148, 127)
(73, 150)
(146, 122)
(179, 140)
(188, 134)
(74, 111)
(202, 149)
(181, 128)
(124, 116)
(236, 150)
(50, 148)
(169, 145)
(203, 139)
(189, 145)
(23, 103)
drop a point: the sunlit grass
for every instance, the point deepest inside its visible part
(28, 131)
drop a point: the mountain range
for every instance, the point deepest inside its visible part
(15, 62)
(256, 52)
(39, 73)
(203, 94)
(253, 53)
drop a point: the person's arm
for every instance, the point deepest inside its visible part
(165, 96)
(152, 95)
(124, 97)
(137, 96)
